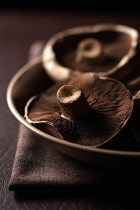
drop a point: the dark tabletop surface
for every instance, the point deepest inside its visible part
(18, 30)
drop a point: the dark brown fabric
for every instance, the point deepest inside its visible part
(37, 164)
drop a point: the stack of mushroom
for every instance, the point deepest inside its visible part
(87, 104)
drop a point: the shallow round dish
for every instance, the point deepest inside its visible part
(30, 80)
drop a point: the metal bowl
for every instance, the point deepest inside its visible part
(30, 80)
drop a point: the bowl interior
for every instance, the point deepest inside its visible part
(31, 80)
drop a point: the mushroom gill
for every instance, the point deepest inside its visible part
(87, 110)
(110, 50)
(131, 133)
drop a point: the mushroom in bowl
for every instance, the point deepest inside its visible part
(87, 110)
(31, 80)
(110, 50)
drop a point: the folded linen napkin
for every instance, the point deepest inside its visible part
(37, 163)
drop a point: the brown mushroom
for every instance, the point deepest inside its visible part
(133, 84)
(88, 110)
(128, 138)
(107, 49)
(135, 118)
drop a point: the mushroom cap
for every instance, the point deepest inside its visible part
(118, 43)
(135, 117)
(110, 101)
(133, 84)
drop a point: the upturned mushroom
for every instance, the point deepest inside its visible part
(110, 50)
(135, 118)
(88, 110)
(133, 84)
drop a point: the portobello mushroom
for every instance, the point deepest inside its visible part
(87, 110)
(131, 132)
(135, 118)
(110, 50)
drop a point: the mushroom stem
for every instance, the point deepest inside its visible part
(72, 102)
(89, 51)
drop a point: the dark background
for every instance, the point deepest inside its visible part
(22, 23)
(81, 5)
